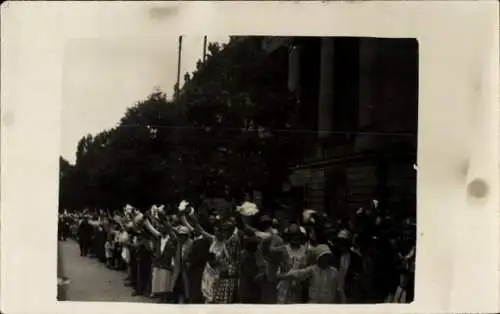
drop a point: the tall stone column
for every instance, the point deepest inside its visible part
(366, 59)
(294, 68)
(367, 101)
(326, 81)
(325, 117)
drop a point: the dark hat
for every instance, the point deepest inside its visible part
(293, 229)
(265, 219)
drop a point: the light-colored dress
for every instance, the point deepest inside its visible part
(323, 285)
(108, 246)
(162, 277)
(291, 290)
(123, 239)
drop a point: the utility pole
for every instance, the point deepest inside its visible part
(204, 49)
(178, 86)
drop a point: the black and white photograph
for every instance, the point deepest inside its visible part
(239, 169)
(276, 157)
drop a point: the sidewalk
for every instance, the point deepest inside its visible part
(91, 280)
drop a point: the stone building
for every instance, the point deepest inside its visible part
(358, 98)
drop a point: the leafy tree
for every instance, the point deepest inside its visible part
(229, 131)
(243, 120)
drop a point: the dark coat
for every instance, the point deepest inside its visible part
(197, 256)
(196, 259)
(351, 278)
(85, 232)
(171, 251)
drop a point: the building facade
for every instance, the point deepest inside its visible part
(358, 98)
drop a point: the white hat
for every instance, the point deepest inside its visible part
(183, 230)
(247, 209)
(183, 205)
(307, 214)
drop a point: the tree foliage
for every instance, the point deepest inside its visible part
(231, 130)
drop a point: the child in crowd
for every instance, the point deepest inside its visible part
(109, 249)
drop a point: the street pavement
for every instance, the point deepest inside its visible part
(91, 280)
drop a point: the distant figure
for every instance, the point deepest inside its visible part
(63, 229)
(85, 231)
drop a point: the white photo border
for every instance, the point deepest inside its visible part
(458, 235)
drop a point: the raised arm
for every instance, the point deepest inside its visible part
(252, 230)
(277, 245)
(151, 229)
(200, 229)
(410, 254)
(164, 220)
(297, 274)
(273, 248)
(185, 222)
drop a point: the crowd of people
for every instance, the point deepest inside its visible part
(236, 254)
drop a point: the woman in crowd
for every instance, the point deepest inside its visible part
(293, 255)
(166, 261)
(223, 263)
(267, 263)
(109, 248)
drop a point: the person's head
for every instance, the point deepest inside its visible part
(212, 218)
(276, 223)
(295, 235)
(344, 240)
(227, 229)
(174, 219)
(183, 233)
(265, 223)
(323, 256)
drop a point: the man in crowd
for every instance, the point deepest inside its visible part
(85, 233)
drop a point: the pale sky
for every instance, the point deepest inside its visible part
(103, 77)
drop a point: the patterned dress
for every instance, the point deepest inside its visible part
(225, 289)
(291, 290)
